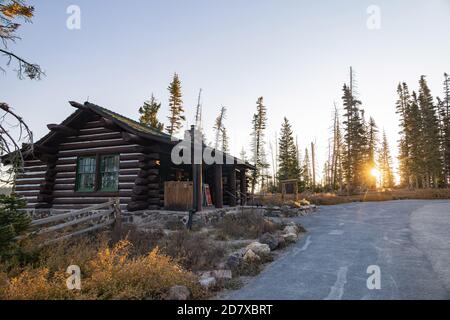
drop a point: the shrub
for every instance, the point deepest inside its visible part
(110, 273)
(245, 225)
(13, 223)
(193, 250)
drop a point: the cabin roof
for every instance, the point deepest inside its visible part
(125, 123)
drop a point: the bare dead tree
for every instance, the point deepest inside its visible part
(16, 143)
(12, 11)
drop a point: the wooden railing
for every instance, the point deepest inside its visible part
(97, 216)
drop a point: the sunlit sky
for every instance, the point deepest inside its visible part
(294, 53)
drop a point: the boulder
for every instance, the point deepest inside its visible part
(270, 240)
(221, 274)
(290, 237)
(291, 228)
(179, 293)
(207, 282)
(235, 259)
(258, 248)
(250, 256)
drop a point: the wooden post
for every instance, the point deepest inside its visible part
(233, 187)
(218, 186)
(243, 187)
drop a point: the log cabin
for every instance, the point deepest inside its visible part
(96, 154)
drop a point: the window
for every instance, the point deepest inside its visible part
(109, 173)
(85, 180)
(97, 173)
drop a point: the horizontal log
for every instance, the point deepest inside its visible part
(132, 138)
(66, 168)
(129, 165)
(154, 201)
(130, 179)
(153, 194)
(74, 194)
(137, 205)
(137, 198)
(143, 174)
(108, 123)
(99, 150)
(92, 144)
(153, 186)
(62, 129)
(92, 124)
(139, 190)
(94, 200)
(94, 137)
(91, 131)
(23, 182)
(42, 168)
(43, 205)
(45, 198)
(153, 207)
(31, 175)
(141, 182)
(39, 148)
(152, 179)
(62, 162)
(48, 158)
(27, 188)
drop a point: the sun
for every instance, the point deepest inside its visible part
(375, 173)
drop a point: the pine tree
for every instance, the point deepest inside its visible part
(445, 130)
(288, 167)
(372, 139)
(385, 164)
(403, 107)
(259, 158)
(354, 141)
(148, 114)
(176, 106)
(306, 171)
(430, 126)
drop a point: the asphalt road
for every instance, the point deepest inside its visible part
(408, 240)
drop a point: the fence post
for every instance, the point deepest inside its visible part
(117, 214)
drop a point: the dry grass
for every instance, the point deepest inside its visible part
(384, 195)
(107, 273)
(193, 250)
(247, 224)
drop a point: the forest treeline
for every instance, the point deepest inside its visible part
(359, 156)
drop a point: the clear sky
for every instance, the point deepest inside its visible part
(294, 53)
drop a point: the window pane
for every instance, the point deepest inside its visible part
(86, 174)
(109, 173)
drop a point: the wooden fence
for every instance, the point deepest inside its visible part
(88, 219)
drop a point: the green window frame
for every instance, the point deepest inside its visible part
(97, 173)
(86, 174)
(109, 173)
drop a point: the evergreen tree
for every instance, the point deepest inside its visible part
(176, 106)
(259, 158)
(445, 130)
(306, 171)
(385, 164)
(148, 114)
(372, 132)
(288, 167)
(430, 127)
(13, 223)
(354, 141)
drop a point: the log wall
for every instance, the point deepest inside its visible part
(51, 184)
